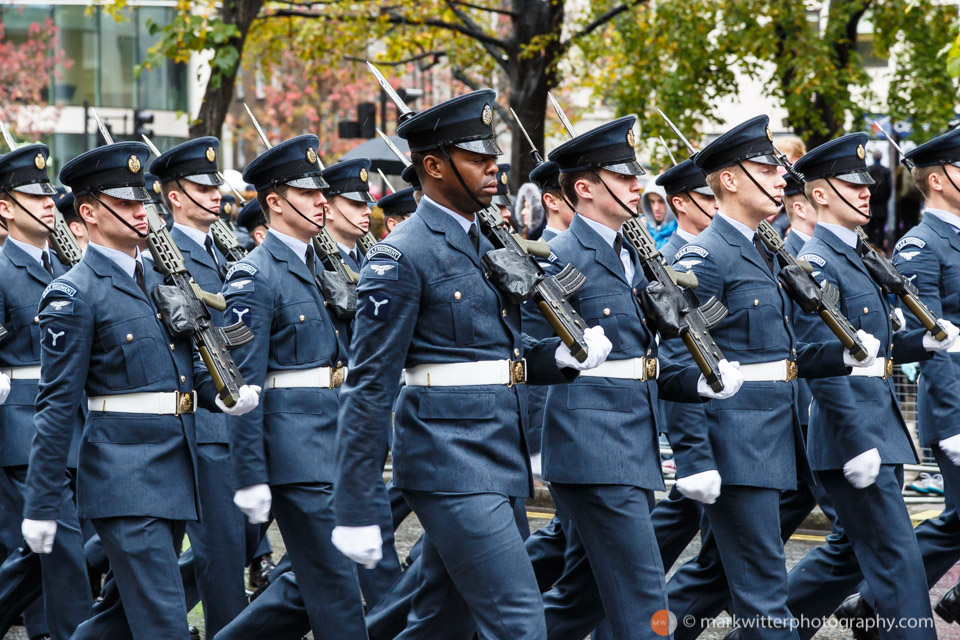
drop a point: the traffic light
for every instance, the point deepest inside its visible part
(140, 122)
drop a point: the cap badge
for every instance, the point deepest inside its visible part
(769, 134)
(503, 178)
(40, 162)
(227, 208)
(363, 174)
(211, 154)
(861, 153)
(311, 155)
(487, 115)
(156, 186)
(133, 163)
(630, 139)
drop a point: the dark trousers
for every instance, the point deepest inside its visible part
(327, 579)
(676, 521)
(62, 573)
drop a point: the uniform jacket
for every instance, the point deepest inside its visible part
(290, 437)
(852, 414)
(604, 430)
(794, 244)
(423, 299)
(929, 254)
(22, 281)
(754, 436)
(101, 335)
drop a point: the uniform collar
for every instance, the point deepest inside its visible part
(746, 231)
(800, 235)
(686, 236)
(463, 222)
(298, 247)
(950, 218)
(126, 263)
(194, 234)
(34, 252)
(848, 237)
(345, 249)
(609, 235)
(554, 230)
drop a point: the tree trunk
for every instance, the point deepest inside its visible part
(216, 99)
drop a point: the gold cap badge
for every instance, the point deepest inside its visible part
(156, 186)
(227, 208)
(503, 178)
(861, 152)
(133, 163)
(311, 155)
(363, 174)
(487, 115)
(211, 154)
(630, 138)
(40, 162)
(769, 134)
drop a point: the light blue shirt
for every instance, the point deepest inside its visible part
(686, 236)
(747, 232)
(127, 263)
(950, 218)
(849, 237)
(196, 235)
(609, 236)
(34, 252)
(463, 222)
(800, 235)
(299, 247)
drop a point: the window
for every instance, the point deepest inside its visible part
(79, 41)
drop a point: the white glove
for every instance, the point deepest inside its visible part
(4, 387)
(898, 312)
(39, 534)
(951, 447)
(598, 348)
(254, 501)
(861, 471)
(247, 402)
(870, 344)
(932, 344)
(703, 487)
(363, 545)
(730, 376)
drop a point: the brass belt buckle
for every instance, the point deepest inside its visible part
(185, 402)
(518, 372)
(337, 377)
(650, 372)
(791, 370)
(888, 369)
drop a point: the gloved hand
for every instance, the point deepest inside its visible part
(911, 370)
(254, 501)
(951, 447)
(730, 376)
(703, 487)
(870, 344)
(598, 348)
(932, 344)
(247, 402)
(363, 545)
(4, 387)
(861, 471)
(898, 312)
(39, 534)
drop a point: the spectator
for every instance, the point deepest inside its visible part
(909, 201)
(661, 222)
(880, 193)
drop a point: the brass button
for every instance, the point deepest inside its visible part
(129, 337)
(794, 351)
(159, 316)
(339, 363)
(302, 317)
(36, 319)
(606, 311)
(336, 332)
(891, 346)
(504, 313)
(649, 351)
(172, 346)
(756, 302)
(780, 284)
(457, 295)
(516, 353)
(183, 379)
(865, 310)
(634, 291)
(786, 318)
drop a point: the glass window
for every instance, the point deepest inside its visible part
(17, 22)
(164, 87)
(78, 39)
(118, 55)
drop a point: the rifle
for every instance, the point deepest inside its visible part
(182, 306)
(795, 276)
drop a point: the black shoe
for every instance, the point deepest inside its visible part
(949, 606)
(260, 570)
(859, 618)
(45, 636)
(194, 633)
(735, 634)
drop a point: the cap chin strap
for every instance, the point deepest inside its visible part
(944, 167)
(633, 214)
(847, 202)
(342, 215)
(190, 198)
(322, 224)
(697, 204)
(29, 213)
(118, 217)
(779, 205)
(463, 183)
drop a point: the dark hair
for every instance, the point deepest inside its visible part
(280, 189)
(568, 183)
(417, 157)
(921, 177)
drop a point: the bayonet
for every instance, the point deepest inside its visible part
(396, 151)
(389, 90)
(7, 137)
(533, 148)
(669, 153)
(256, 125)
(386, 182)
(677, 132)
(564, 120)
(903, 157)
(107, 137)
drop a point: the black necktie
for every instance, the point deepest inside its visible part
(208, 244)
(311, 259)
(354, 257)
(767, 260)
(45, 261)
(617, 248)
(860, 248)
(474, 238)
(138, 274)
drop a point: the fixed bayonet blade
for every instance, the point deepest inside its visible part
(152, 146)
(396, 151)
(669, 153)
(677, 131)
(564, 120)
(386, 182)
(907, 163)
(388, 89)
(7, 137)
(256, 125)
(103, 128)
(523, 130)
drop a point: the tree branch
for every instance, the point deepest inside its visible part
(504, 12)
(506, 47)
(458, 74)
(599, 21)
(396, 63)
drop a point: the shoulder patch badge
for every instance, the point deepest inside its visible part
(242, 285)
(908, 255)
(692, 249)
(238, 313)
(61, 287)
(241, 267)
(54, 339)
(381, 249)
(62, 306)
(813, 259)
(383, 271)
(376, 306)
(689, 264)
(908, 241)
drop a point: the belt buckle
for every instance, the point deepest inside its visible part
(518, 372)
(185, 402)
(337, 377)
(650, 369)
(888, 368)
(791, 370)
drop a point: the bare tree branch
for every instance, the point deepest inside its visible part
(473, 85)
(504, 12)
(397, 63)
(599, 21)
